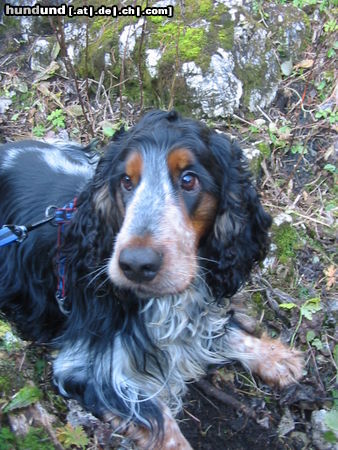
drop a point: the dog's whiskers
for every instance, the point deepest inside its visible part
(97, 273)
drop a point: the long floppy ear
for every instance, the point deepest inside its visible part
(240, 234)
(90, 237)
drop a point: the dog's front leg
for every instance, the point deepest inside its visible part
(276, 363)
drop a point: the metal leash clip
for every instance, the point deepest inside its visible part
(17, 233)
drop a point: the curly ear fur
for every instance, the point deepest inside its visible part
(89, 241)
(240, 233)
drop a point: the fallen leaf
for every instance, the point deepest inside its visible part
(25, 397)
(304, 64)
(331, 275)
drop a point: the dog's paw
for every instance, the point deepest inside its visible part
(278, 364)
(171, 439)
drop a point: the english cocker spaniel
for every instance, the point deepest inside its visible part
(126, 276)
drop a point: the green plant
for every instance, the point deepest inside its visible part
(330, 168)
(306, 310)
(279, 136)
(39, 368)
(298, 148)
(253, 129)
(322, 4)
(39, 130)
(301, 3)
(313, 340)
(110, 129)
(57, 118)
(15, 117)
(331, 53)
(7, 439)
(327, 114)
(331, 26)
(69, 436)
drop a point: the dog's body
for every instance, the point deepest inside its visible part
(167, 223)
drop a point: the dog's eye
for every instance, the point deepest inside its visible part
(189, 181)
(126, 183)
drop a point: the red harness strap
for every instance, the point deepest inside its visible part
(63, 216)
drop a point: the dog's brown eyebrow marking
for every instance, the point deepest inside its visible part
(178, 160)
(134, 167)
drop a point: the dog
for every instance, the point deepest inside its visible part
(167, 223)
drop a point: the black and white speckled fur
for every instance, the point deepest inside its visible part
(188, 332)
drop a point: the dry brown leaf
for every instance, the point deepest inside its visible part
(304, 64)
(331, 274)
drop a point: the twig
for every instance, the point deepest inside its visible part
(60, 36)
(264, 114)
(139, 63)
(209, 389)
(242, 120)
(177, 63)
(331, 357)
(316, 367)
(86, 52)
(270, 292)
(299, 102)
(288, 211)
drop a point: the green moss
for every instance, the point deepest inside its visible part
(286, 239)
(35, 439)
(97, 48)
(5, 385)
(256, 162)
(264, 148)
(205, 6)
(290, 15)
(252, 76)
(195, 10)
(10, 24)
(257, 300)
(191, 43)
(226, 37)
(11, 379)
(7, 439)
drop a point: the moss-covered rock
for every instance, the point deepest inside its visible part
(211, 58)
(286, 239)
(223, 59)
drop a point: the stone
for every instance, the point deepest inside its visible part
(320, 429)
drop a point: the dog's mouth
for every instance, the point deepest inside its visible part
(145, 291)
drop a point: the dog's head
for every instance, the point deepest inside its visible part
(181, 203)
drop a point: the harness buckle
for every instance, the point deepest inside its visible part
(61, 301)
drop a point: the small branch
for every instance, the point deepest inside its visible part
(227, 399)
(177, 64)
(289, 211)
(139, 63)
(60, 36)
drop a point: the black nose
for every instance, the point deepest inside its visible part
(140, 263)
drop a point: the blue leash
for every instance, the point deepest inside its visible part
(18, 233)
